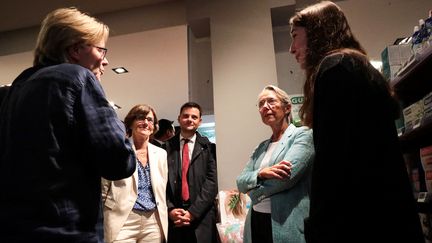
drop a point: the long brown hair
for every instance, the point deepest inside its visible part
(327, 31)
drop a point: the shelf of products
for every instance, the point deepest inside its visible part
(424, 207)
(412, 84)
(414, 81)
(417, 138)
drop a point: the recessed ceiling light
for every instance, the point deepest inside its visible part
(120, 70)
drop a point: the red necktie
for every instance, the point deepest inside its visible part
(185, 167)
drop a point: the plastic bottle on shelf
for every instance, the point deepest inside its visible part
(423, 35)
(416, 41)
(428, 26)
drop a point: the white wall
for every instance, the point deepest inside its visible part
(243, 63)
(200, 73)
(12, 65)
(158, 71)
(290, 76)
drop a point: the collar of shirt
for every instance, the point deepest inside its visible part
(191, 139)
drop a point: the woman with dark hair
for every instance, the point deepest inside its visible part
(360, 191)
(135, 208)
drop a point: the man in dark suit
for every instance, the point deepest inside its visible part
(164, 132)
(192, 181)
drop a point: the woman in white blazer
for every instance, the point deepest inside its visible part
(135, 208)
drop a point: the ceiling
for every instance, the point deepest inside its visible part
(33, 15)
(30, 16)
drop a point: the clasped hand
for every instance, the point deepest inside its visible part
(180, 217)
(280, 171)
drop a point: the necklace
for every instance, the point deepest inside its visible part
(141, 152)
(142, 157)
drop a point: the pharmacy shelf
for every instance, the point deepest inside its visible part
(424, 207)
(412, 83)
(414, 80)
(417, 138)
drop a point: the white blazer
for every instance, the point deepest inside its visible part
(120, 196)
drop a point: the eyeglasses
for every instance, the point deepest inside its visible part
(102, 50)
(148, 119)
(270, 103)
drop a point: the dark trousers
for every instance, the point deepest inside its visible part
(184, 234)
(261, 227)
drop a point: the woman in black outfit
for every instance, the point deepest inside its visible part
(360, 191)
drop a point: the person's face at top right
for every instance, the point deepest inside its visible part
(299, 45)
(189, 119)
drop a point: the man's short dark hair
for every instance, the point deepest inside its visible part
(191, 104)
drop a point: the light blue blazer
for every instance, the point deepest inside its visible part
(289, 197)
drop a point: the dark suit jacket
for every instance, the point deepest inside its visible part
(360, 191)
(202, 179)
(157, 143)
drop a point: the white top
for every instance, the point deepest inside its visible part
(265, 205)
